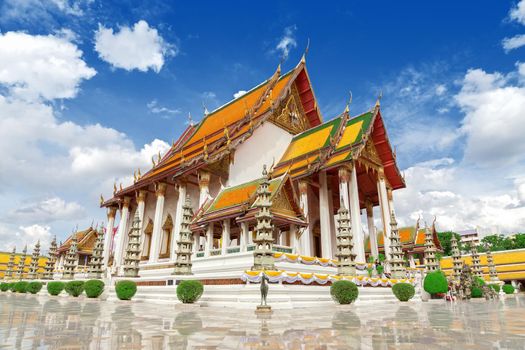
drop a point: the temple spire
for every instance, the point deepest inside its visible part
(263, 254)
(33, 266)
(50, 263)
(492, 268)
(185, 243)
(22, 263)
(132, 257)
(95, 263)
(431, 263)
(397, 263)
(345, 244)
(456, 258)
(476, 264)
(71, 259)
(10, 265)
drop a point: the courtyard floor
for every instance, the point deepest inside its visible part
(40, 322)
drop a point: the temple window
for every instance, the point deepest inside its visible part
(146, 248)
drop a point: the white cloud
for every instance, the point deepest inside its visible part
(165, 112)
(287, 42)
(23, 235)
(517, 13)
(493, 123)
(514, 42)
(239, 93)
(140, 47)
(37, 66)
(48, 210)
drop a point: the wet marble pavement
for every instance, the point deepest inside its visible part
(42, 322)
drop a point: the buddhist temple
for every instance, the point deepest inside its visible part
(313, 165)
(85, 242)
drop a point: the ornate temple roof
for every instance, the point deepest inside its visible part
(412, 238)
(239, 201)
(222, 130)
(85, 241)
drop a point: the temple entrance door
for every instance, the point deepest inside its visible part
(317, 239)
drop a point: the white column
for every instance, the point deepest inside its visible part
(204, 183)
(411, 261)
(181, 187)
(122, 232)
(355, 214)
(283, 238)
(385, 211)
(325, 217)
(244, 237)
(344, 178)
(141, 199)
(225, 236)
(372, 234)
(209, 239)
(160, 192)
(306, 237)
(250, 235)
(108, 238)
(390, 200)
(294, 239)
(196, 242)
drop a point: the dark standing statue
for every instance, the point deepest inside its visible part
(264, 289)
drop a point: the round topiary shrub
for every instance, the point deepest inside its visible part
(4, 287)
(34, 287)
(12, 286)
(74, 288)
(496, 287)
(189, 291)
(435, 282)
(480, 281)
(508, 289)
(403, 291)
(476, 292)
(344, 292)
(94, 288)
(55, 287)
(21, 287)
(125, 289)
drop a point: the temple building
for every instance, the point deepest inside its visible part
(85, 242)
(314, 165)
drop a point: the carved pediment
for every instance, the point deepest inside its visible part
(370, 153)
(290, 114)
(281, 203)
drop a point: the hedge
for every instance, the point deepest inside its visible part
(476, 292)
(55, 287)
(34, 287)
(125, 289)
(4, 287)
(94, 288)
(344, 292)
(403, 291)
(190, 291)
(21, 286)
(435, 282)
(75, 288)
(508, 289)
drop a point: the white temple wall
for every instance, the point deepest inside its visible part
(170, 203)
(149, 209)
(266, 146)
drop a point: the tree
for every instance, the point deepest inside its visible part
(495, 243)
(444, 239)
(519, 241)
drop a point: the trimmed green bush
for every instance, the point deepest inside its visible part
(480, 281)
(55, 287)
(21, 287)
(380, 269)
(476, 292)
(4, 287)
(403, 291)
(344, 292)
(94, 288)
(125, 289)
(12, 286)
(74, 288)
(508, 289)
(189, 291)
(34, 287)
(496, 287)
(435, 282)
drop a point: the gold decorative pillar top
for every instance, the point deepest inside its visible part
(112, 212)
(381, 173)
(160, 189)
(204, 178)
(344, 174)
(126, 201)
(369, 208)
(389, 193)
(303, 187)
(141, 195)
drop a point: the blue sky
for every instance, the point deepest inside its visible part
(443, 69)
